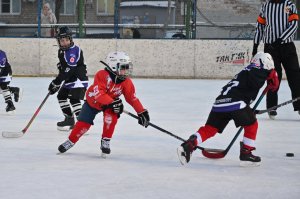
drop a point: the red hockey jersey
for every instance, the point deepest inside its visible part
(104, 91)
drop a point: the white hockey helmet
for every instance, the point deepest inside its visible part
(120, 63)
(263, 60)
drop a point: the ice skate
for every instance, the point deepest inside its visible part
(186, 149)
(272, 114)
(65, 146)
(247, 158)
(67, 124)
(105, 147)
(10, 108)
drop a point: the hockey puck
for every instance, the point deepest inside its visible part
(289, 154)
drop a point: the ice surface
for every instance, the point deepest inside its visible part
(143, 162)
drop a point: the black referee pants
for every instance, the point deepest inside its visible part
(285, 55)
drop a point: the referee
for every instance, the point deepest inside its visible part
(276, 26)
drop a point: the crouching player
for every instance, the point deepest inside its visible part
(5, 79)
(234, 104)
(109, 84)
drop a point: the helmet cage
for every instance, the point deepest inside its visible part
(119, 63)
(124, 69)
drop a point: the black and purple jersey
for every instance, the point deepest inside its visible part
(5, 68)
(241, 90)
(72, 69)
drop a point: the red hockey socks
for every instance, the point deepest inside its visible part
(206, 132)
(250, 135)
(110, 120)
(79, 129)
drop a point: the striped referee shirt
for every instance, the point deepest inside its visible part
(276, 20)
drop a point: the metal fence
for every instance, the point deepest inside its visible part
(124, 19)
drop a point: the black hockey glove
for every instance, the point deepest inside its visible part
(116, 106)
(53, 87)
(144, 118)
(254, 51)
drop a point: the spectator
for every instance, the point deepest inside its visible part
(135, 33)
(47, 17)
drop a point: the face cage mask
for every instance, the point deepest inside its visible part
(124, 67)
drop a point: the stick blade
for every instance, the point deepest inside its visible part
(214, 153)
(7, 134)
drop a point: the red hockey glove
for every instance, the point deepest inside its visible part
(273, 82)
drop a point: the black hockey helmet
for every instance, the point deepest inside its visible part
(64, 32)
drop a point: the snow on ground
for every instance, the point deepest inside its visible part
(143, 163)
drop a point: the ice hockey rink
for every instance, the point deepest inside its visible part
(143, 163)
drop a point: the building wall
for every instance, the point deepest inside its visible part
(29, 12)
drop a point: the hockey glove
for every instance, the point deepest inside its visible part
(144, 118)
(53, 87)
(273, 82)
(116, 106)
(254, 51)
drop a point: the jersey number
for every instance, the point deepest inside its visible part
(229, 86)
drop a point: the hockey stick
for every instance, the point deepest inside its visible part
(207, 152)
(171, 134)
(156, 127)
(216, 154)
(8, 134)
(277, 106)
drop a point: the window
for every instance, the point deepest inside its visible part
(10, 6)
(68, 7)
(105, 7)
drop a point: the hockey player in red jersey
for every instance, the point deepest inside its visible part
(234, 104)
(103, 96)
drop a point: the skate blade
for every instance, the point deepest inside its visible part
(249, 164)
(103, 155)
(272, 117)
(181, 157)
(10, 112)
(64, 128)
